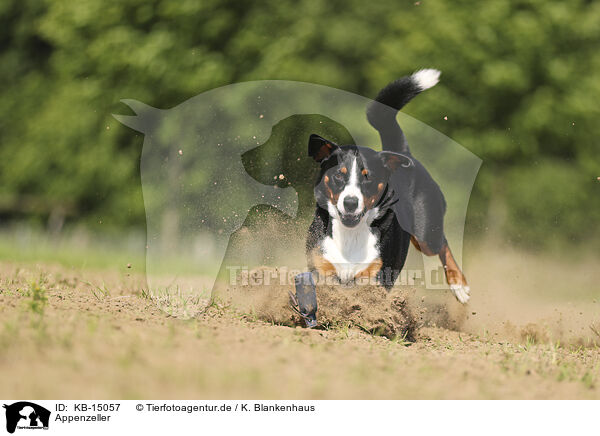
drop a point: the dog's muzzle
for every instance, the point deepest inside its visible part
(351, 219)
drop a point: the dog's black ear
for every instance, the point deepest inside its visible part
(393, 161)
(320, 148)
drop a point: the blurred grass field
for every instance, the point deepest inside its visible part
(76, 248)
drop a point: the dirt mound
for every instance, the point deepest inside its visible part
(370, 308)
(264, 293)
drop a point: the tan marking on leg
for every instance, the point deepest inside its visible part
(323, 266)
(453, 273)
(372, 270)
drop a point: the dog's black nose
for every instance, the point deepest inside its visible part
(350, 204)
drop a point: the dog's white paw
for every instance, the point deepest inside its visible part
(461, 292)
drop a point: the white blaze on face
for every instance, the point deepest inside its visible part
(352, 189)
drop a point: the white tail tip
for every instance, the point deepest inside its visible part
(426, 78)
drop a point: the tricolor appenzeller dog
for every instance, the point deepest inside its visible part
(371, 205)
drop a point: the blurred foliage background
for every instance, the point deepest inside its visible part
(520, 88)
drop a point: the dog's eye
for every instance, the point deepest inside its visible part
(339, 177)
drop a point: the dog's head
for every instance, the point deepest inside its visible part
(352, 178)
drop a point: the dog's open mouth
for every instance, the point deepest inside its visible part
(351, 219)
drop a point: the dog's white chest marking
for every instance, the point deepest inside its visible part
(351, 250)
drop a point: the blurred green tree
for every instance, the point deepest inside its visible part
(520, 88)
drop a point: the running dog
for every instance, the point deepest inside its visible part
(371, 205)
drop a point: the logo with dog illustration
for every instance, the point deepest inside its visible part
(26, 415)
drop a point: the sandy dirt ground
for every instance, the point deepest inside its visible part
(90, 334)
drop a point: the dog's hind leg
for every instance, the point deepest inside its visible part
(456, 279)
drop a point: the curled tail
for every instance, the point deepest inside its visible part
(382, 112)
